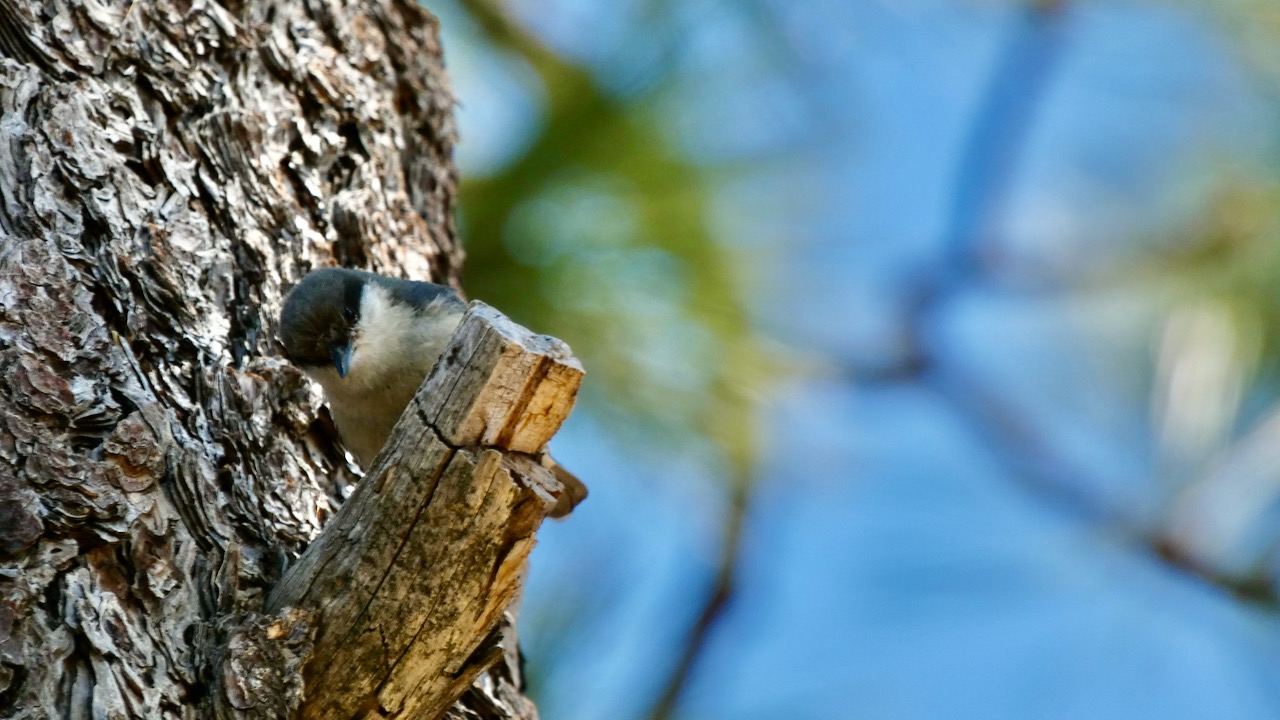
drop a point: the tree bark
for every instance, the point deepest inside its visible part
(167, 171)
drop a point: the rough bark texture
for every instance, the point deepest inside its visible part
(167, 171)
(410, 580)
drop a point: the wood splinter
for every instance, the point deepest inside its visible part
(411, 577)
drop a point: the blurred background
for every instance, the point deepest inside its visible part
(933, 349)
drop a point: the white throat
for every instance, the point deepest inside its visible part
(393, 348)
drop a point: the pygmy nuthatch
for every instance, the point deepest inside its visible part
(370, 341)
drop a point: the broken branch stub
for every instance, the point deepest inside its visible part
(412, 576)
(498, 385)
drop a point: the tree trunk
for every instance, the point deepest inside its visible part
(167, 171)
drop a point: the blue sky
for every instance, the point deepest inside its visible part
(896, 565)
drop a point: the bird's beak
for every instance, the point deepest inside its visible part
(341, 355)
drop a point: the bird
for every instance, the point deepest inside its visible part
(369, 341)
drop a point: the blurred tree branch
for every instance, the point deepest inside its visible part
(715, 605)
(988, 160)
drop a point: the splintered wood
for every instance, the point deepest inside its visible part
(412, 576)
(499, 385)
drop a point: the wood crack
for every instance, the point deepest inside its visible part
(412, 576)
(395, 556)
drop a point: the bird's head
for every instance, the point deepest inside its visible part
(377, 329)
(321, 315)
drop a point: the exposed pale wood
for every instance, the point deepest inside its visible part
(501, 385)
(410, 580)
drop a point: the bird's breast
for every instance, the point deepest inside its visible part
(364, 412)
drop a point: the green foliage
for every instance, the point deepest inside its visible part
(1232, 260)
(598, 233)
